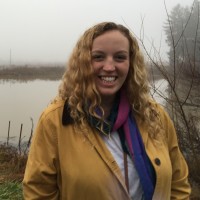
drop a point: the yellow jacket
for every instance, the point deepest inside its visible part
(70, 164)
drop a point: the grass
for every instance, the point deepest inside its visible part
(12, 166)
(11, 190)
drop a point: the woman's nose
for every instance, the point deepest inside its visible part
(109, 64)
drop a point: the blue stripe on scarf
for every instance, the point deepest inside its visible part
(141, 160)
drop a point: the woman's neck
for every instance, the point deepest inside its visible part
(107, 105)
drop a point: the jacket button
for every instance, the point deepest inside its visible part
(157, 161)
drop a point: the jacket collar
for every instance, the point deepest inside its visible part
(66, 118)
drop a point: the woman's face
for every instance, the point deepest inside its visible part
(110, 60)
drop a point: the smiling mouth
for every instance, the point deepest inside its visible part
(108, 79)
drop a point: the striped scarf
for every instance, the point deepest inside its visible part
(121, 118)
(135, 144)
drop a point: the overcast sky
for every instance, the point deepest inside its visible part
(45, 31)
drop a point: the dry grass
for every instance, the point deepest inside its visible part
(12, 164)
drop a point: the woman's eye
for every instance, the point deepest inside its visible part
(120, 57)
(97, 57)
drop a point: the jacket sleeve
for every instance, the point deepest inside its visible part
(180, 188)
(40, 179)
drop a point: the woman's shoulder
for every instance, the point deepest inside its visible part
(54, 105)
(53, 109)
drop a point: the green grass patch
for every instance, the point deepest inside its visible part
(11, 190)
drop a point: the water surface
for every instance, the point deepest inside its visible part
(21, 101)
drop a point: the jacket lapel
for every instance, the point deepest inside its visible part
(99, 145)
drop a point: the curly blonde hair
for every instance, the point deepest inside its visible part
(78, 85)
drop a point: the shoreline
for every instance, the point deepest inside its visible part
(29, 73)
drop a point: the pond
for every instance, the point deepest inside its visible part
(23, 102)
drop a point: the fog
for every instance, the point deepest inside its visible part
(45, 31)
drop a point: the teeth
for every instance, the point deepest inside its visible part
(108, 79)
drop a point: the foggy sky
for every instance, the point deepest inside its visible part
(45, 31)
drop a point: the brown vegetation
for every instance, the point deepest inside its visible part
(12, 164)
(13, 158)
(27, 73)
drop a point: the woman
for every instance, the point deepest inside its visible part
(103, 137)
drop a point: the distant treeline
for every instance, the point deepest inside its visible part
(31, 73)
(28, 73)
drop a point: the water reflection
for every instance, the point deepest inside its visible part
(21, 101)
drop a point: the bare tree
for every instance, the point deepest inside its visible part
(183, 96)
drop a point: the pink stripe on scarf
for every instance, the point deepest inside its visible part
(122, 119)
(123, 111)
